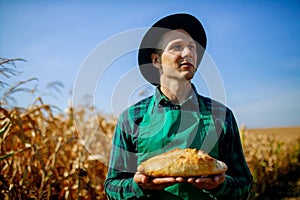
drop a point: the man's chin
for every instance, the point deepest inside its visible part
(189, 76)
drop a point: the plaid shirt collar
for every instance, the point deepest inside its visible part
(160, 98)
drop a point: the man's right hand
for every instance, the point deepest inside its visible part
(150, 183)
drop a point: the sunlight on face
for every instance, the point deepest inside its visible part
(179, 55)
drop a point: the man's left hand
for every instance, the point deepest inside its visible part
(207, 183)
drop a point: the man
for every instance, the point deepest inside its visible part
(176, 116)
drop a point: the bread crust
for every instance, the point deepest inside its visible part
(182, 163)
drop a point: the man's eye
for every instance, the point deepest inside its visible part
(177, 47)
(191, 47)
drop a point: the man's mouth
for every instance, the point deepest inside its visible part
(186, 65)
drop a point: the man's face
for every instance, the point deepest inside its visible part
(179, 56)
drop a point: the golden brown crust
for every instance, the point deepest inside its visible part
(182, 163)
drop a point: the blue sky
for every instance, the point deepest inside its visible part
(255, 46)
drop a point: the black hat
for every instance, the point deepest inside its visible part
(150, 40)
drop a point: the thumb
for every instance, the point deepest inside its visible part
(216, 178)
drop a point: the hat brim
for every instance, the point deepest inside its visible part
(149, 42)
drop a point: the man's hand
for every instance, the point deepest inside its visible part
(207, 183)
(155, 183)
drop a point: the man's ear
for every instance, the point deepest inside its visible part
(156, 60)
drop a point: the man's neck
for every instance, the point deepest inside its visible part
(177, 92)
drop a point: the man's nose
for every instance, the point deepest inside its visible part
(186, 52)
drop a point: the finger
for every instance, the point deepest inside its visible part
(163, 180)
(219, 178)
(180, 179)
(140, 178)
(191, 180)
(200, 180)
(222, 178)
(216, 178)
(206, 180)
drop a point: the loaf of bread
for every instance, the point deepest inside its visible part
(182, 163)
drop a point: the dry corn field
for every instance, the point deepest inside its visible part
(273, 156)
(42, 157)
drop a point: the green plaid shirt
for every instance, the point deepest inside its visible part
(125, 153)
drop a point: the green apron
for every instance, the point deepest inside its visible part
(176, 129)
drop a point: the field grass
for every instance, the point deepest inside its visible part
(273, 155)
(285, 134)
